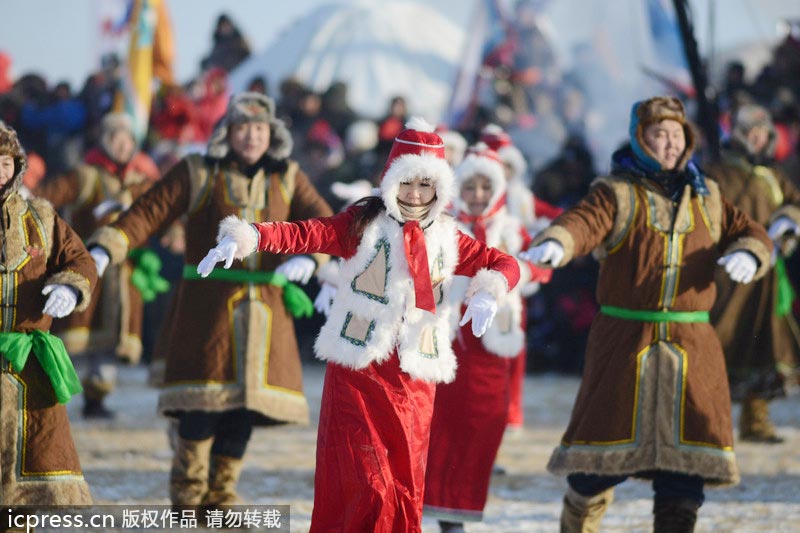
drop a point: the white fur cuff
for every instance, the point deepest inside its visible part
(242, 232)
(490, 281)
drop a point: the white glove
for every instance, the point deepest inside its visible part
(481, 310)
(323, 301)
(549, 251)
(105, 207)
(740, 266)
(62, 300)
(101, 259)
(781, 227)
(224, 251)
(299, 268)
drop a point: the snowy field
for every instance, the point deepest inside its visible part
(127, 461)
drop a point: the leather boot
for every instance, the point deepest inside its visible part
(754, 422)
(675, 515)
(451, 527)
(188, 478)
(582, 514)
(96, 386)
(223, 478)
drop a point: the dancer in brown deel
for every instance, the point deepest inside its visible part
(46, 272)
(759, 335)
(231, 356)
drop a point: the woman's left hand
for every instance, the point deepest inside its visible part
(224, 251)
(481, 310)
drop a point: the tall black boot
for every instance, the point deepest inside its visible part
(675, 515)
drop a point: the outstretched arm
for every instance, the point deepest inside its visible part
(237, 239)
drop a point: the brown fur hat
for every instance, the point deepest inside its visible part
(654, 110)
(10, 145)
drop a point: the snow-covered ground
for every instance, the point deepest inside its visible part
(127, 461)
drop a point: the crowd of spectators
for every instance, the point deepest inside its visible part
(549, 112)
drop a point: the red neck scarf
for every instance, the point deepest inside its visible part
(478, 223)
(417, 257)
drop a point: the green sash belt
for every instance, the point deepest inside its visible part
(295, 299)
(786, 295)
(654, 316)
(52, 355)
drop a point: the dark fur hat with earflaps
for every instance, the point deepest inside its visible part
(251, 107)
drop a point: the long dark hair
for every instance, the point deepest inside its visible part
(369, 208)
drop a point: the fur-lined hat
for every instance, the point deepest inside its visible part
(10, 146)
(417, 152)
(251, 107)
(500, 141)
(651, 111)
(482, 160)
(746, 118)
(453, 141)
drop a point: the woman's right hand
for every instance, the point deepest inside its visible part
(224, 251)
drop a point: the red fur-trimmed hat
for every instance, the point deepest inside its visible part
(482, 160)
(417, 152)
(498, 140)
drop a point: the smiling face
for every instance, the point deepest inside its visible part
(476, 193)
(6, 169)
(249, 140)
(416, 192)
(667, 141)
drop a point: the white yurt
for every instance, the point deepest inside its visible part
(380, 49)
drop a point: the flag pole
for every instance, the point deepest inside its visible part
(707, 109)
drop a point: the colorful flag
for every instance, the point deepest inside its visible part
(672, 69)
(488, 45)
(150, 53)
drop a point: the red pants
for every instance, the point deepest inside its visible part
(469, 419)
(372, 446)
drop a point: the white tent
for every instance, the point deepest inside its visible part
(380, 49)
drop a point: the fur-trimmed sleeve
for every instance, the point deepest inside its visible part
(151, 213)
(742, 233)
(584, 226)
(70, 263)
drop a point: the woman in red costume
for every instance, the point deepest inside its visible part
(386, 338)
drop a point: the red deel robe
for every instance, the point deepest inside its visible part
(470, 416)
(372, 442)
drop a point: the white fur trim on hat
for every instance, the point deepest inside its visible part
(426, 166)
(457, 144)
(512, 156)
(242, 232)
(419, 124)
(475, 164)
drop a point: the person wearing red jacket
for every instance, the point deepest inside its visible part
(477, 402)
(386, 338)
